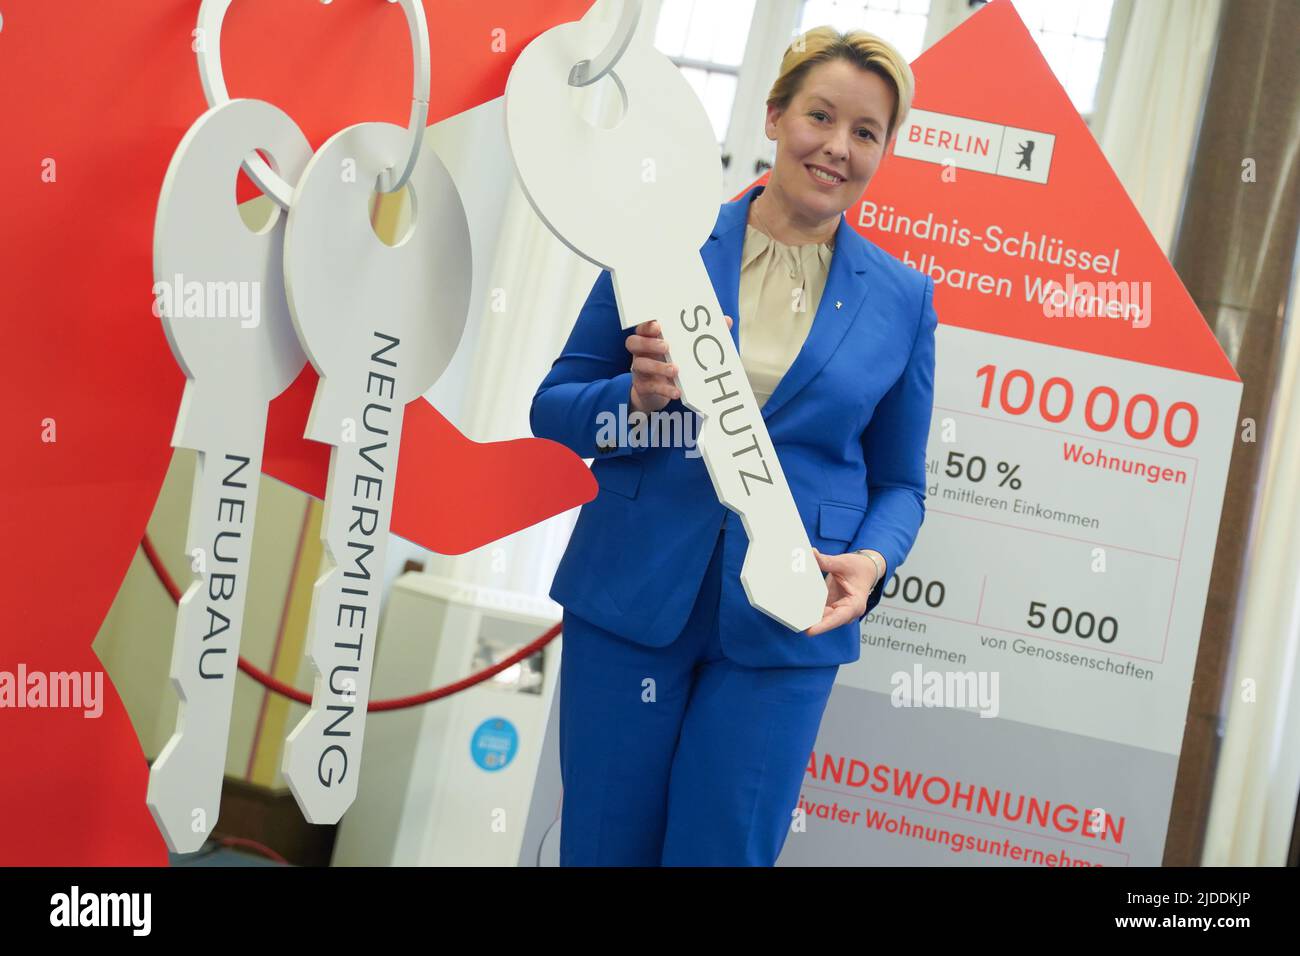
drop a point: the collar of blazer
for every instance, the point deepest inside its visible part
(840, 306)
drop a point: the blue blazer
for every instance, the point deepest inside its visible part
(850, 422)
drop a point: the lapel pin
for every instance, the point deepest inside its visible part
(839, 304)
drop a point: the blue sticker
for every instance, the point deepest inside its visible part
(494, 743)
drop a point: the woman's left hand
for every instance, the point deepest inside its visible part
(852, 576)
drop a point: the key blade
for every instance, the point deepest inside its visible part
(185, 781)
(783, 580)
(781, 576)
(322, 755)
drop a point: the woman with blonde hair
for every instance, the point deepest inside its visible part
(687, 718)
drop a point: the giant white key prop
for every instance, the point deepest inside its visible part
(220, 293)
(380, 323)
(639, 199)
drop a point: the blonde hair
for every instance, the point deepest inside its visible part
(863, 49)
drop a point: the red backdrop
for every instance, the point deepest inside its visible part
(105, 92)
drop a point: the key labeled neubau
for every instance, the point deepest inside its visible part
(219, 290)
(637, 193)
(380, 323)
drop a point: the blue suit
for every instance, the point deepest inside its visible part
(652, 570)
(850, 421)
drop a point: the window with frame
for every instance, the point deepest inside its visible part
(1072, 36)
(706, 39)
(901, 22)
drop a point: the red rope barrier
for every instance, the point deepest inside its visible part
(243, 843)
(160, 569)
(397, 703)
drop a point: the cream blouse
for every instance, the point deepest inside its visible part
(780, 288)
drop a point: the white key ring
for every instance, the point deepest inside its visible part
(586, 72)
(213, 13)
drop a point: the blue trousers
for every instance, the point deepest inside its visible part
(675, 755)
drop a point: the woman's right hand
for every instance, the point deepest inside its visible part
(652, 377)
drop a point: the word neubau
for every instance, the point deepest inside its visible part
(82, 690)
(222, 585)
